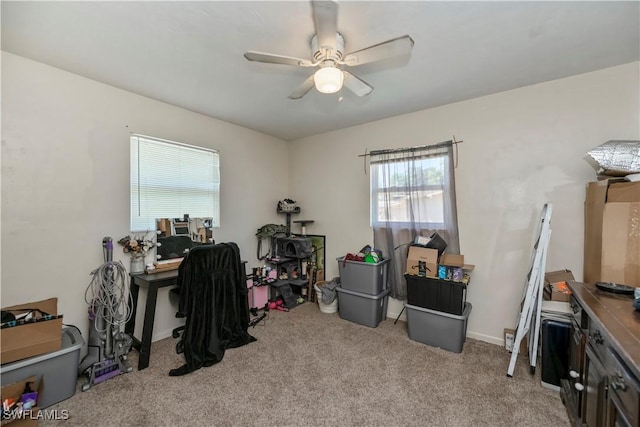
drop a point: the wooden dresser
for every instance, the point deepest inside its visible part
(603, 388)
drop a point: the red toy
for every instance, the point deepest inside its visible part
(277, 305)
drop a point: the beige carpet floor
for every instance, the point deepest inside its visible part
(308, 368)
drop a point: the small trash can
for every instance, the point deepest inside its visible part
(328, 308)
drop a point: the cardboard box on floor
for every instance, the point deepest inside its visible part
(555, 285)
(612, 232)
(14, 391)
(509, 338)
(418, 254)
(31, 339)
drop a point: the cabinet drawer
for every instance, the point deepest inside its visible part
(626, 389)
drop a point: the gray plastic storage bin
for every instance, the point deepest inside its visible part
(437, 328)
(57, 370)
(365, 309)
(363, 277)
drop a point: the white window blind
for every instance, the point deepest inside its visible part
(169, 180)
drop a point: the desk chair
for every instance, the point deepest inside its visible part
(175, 333)
(213, 298)
(172, 247)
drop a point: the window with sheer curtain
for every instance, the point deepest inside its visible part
(412, 193)
(170, 179)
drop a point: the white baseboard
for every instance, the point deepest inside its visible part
(162, 335)
(486, 338)
(394, 316)
(390, 315)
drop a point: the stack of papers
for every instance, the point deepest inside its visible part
(556, 310)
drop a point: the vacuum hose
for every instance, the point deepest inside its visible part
(108, 297)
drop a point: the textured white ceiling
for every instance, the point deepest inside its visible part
(190, 54)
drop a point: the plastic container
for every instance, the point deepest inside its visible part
(365, 309)
(436, 294)
(436, 328)
(258, 296)
(556, 339)
(363, 277)
(58, 370)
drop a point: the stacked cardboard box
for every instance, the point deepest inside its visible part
(423, 261)
(555, 285)
(34, 336)
(612, 232)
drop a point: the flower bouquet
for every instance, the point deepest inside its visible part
(136, 246)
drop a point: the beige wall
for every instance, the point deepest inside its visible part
(65, 166)
(65, 181)
(521, 148)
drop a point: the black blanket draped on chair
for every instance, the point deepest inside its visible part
(213, 298)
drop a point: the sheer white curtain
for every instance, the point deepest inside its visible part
(412, 193)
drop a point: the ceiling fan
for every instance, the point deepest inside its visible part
(327, 52)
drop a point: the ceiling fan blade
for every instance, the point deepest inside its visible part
(385, 50)
(325, 17)
(356, 85)
(303, 88)
(277, 59)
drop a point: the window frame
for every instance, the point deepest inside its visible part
(137, 182)
(374, 194)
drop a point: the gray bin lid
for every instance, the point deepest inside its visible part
(465, 313)
(382, 294)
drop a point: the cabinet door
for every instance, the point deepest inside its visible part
(595, 392)
(576, 367)
(623, 394)
(616, 415)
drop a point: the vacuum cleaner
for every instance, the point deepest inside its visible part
(109, 306)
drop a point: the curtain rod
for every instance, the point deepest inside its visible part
(417, 148)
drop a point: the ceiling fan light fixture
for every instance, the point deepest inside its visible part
(328, 79)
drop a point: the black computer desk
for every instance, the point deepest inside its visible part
(152, 282)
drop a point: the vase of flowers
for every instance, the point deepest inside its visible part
(137, 247)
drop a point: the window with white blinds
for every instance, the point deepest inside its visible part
(169, 180)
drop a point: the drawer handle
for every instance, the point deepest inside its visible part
(617, 382)
(578, 386)
(573, 374)
(597, 338)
